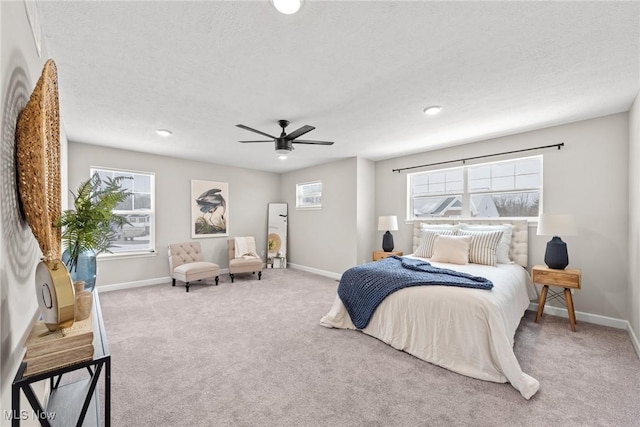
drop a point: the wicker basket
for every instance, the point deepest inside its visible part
(38, 161)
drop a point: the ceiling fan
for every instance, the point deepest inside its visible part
(284, 143)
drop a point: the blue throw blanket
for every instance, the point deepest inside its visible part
(363, 288)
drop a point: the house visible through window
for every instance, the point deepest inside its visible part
(309, 195)
(510, 188)
(138, 235)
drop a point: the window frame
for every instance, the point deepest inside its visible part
(151, 249)
(466, 194)
(299, 190)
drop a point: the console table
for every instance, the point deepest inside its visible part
(70, 404)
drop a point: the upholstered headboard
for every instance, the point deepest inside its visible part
(518, 250)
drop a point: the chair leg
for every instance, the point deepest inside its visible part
(217, 278)
(187, 283)
(259, 275)
(174, 282)
(231, 275)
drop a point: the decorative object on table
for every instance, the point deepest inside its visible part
(388, 223)
(84, 301)
(46, 350)
(38, 171)
(556, 255)
(88, 230)
(209, 209)
(277, 234)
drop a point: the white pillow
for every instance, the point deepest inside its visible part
(484, 245)
(504, 246)
(438, 227)
(425, 248)
(451, 249)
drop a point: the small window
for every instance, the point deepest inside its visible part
(309, 195)
(138, 235)
(510, 188)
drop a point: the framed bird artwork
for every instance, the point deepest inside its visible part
(209, 209)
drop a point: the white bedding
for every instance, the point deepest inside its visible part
(468, 331)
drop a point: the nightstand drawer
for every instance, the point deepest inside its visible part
(569, 278)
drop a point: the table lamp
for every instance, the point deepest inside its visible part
(388, 223)
(556, 255)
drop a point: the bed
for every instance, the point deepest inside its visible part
(468, 331)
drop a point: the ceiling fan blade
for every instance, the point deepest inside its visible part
(296, 133)
(263, 140)
(303, 141)
(255, 130)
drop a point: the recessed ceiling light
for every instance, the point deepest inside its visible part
(288, 7)
(433, 110)
(164, 132)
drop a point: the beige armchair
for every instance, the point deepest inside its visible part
(244, 260)
(187, 264)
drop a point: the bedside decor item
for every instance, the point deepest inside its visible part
(89, 229)
(556, 255)
(388, 223)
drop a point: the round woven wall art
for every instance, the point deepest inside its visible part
(38, 161)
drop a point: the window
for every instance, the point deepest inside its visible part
(510, 188)
(309, 195)
(139, 209)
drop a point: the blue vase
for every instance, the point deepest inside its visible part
(85, 270)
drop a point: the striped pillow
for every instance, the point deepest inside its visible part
(425, 248)
(484, 245)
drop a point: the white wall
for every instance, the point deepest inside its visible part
(634, 217)
(325, 240)
(249, 194)
(588, 179)
(19, 253)
(365, 209)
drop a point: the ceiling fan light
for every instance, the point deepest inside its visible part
(287, 7)
(282, 152)
(282, 156)
(164, 132)
(433, 110)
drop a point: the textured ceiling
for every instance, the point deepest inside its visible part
(360, 72)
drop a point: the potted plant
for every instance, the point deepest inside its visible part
(90, 228)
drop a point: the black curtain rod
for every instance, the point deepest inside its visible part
(559, 146)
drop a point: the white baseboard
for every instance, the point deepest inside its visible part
(319, 272)
(596, 319)
(141, 283)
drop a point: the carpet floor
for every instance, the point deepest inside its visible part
(253, 353)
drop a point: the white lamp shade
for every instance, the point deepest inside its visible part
(388, 223)
(556, 225)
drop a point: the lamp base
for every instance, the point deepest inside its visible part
(556, 256)
(387, 242)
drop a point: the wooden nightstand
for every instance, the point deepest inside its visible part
(568, 279)
(378, 255)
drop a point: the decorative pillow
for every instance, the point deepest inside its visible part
(425, 248)
(484, 245)
(505, 242)
(451, 249)
(438, 227)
